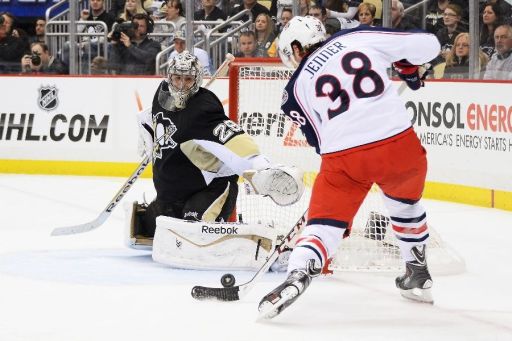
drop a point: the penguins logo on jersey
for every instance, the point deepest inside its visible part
(164, 129)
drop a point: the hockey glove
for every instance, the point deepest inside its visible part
(409, 74)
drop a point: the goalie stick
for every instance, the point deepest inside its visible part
(237, 292)
(100, 219)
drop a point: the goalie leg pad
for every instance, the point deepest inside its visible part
(284, 185)
(212, 246)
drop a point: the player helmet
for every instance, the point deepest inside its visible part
(184, 64)
(306, 30)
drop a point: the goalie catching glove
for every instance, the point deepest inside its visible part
(411, 74)
(283, 184)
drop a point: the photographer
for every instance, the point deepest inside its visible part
(133, 53)
(40, 61)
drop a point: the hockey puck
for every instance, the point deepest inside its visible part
(227, 280)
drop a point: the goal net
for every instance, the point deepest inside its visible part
(255, 89)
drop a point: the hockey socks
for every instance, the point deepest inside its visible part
(308, 247)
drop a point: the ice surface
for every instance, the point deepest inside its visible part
(90, 287)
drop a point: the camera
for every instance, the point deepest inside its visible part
(127, 28)
(35, 58)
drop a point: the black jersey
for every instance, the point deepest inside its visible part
(181, 167)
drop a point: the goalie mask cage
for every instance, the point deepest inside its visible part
(255, 90)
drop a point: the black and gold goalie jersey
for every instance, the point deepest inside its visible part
(188, 145)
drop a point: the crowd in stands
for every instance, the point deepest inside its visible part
(151, 26)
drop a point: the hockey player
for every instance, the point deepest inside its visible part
(198, 155)
(345, 104)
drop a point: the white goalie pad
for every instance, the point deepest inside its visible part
(212, 246)
(283, 184)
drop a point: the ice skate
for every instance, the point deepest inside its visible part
(415, 284)
(281, 297)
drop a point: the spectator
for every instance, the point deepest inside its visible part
(40, 61)
(491, 18)
(500, 65)
(118, 6)
(304, 7)
(209, 12)
(253, 5)
(277, 6)
(39, 31)
(366, 13)
(318, 12)
(264, 29)
(452, 27)
(179, 40)
(286, 16)
(398, 18)
(12, 47)
(434, 16)
(134, 53)
(504, 8)
(96, 12)
(10, 21)
(175, 15)
(99, 66)
(131, 8)
(246, 45)
(92, 44)
(457, 59)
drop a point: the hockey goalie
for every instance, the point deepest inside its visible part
(198, 155)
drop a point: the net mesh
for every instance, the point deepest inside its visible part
(371, 246)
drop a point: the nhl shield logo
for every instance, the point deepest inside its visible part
(48, 99)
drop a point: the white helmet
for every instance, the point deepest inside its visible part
(184, 63)
(306, 30)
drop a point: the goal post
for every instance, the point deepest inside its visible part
(255, 91)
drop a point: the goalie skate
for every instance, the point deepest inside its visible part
(416, 283)
(284, 295)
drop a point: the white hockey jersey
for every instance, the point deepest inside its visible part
(341, 95)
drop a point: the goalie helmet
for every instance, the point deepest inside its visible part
(307, 30)
(184, 64)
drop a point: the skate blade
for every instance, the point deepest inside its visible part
(268, 310)
(418, 295)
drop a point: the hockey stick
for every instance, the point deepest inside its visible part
(100, 219)
(67, 230)
(237, 292)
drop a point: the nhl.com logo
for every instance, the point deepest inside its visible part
(48, 99)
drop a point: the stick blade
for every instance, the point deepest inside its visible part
(75, 229)
(67, 230)
(218, 294)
